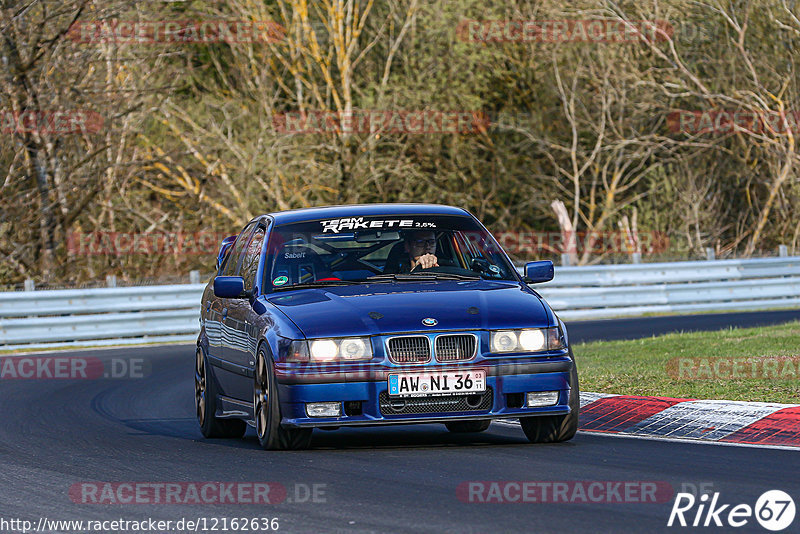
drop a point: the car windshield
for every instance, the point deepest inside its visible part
(381, 248)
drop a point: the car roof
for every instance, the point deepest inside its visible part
(364, 210)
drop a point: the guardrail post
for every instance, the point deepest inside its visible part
(783, 251)
(710, 255)
(194, 277)
(636, 257)
(29, 286)
(565, 260)
(111, 280)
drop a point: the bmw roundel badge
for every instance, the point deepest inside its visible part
(430, 321)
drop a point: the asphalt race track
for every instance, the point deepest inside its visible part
(56, 434)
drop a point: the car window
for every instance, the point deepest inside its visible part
(232, 262)
(251, 257)
(355, 249)
(480, 251)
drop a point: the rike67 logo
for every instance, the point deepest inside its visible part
(774, 510)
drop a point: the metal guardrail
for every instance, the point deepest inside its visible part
(680, 287)
(119, 316)
(50, 318)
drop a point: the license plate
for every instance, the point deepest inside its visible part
(439, 383)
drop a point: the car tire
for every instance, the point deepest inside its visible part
(205, 402)
(464, 427)
(267, 411)
(555, 428)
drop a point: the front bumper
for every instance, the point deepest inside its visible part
(506, 381)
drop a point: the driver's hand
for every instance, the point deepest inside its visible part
(427, 261)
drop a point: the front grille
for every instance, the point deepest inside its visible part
(478, 402)
(409, 349)
(451, 348)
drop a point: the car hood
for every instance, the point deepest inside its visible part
(400, 307)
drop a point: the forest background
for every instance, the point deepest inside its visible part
(135, 134)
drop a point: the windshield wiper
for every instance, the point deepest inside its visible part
(318, 283)
(404, 277)
(408, 277)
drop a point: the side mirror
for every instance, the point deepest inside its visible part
(229, 287)
(539, 271)
(224, 248)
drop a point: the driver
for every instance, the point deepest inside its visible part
(421, 249)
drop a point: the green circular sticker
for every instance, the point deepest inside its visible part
(281, 280)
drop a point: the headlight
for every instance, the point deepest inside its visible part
(504, 341)
(528, 340)
(324, 350)
(297, 351)
(554, 339)
(532, 340)
(355, 348)
(344, 349)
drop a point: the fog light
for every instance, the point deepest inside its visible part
(324, 409)
(542, 398)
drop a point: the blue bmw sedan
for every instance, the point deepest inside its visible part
(374, 315)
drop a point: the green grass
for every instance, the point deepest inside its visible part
(642, 366)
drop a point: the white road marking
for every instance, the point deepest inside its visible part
(702, 422)
(509, 423)
(704, 419)
(588, 397)
(694, 441)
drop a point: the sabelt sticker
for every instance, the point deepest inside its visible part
(281, 280)
(358, 223)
